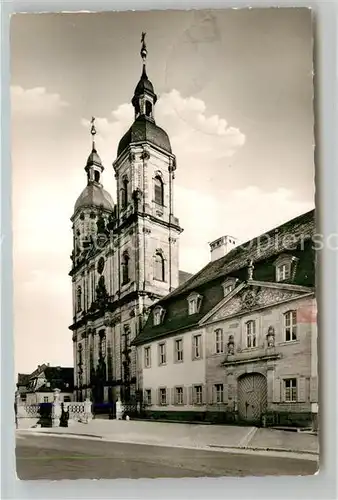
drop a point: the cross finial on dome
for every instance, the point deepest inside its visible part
(143, 51)
(93, 130)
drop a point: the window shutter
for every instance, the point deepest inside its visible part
(210, 394)
(301, 396)
(277, 390)
(152, 397)
(225, 393)
(158, 396)
(201, 346)
(167, 395)
(192, 347)
(204, 394)
(172, 401)
(191, 401)
(314, 390)
(185, 395)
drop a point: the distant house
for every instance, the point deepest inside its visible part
(38, 387)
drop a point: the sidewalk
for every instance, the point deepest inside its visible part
(191, 435)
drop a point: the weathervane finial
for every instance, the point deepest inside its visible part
(93, 130)
(143, 51)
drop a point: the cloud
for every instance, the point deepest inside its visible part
(197, 139)
(35, 102)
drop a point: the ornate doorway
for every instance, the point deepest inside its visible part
(252, 397)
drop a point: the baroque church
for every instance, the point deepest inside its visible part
(125, 254)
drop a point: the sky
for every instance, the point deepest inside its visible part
(235, 91)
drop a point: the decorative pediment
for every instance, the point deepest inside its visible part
(253, 296)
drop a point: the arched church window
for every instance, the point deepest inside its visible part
(124, 193)
(125, 268)
(159, 267)
(159, 190)
(79, 298)
(149, 108)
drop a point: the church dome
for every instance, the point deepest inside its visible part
(145, 130)
(94, 196)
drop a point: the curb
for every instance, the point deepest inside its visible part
(282, 450)
(207, 447)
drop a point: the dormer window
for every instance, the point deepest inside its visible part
(283, 272)
(158, 315)
(194, 303)
(228, 285)
(285, 267)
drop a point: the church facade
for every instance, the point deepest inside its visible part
(125, 253)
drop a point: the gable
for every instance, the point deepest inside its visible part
(253, 297)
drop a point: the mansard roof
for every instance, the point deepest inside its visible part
(263, 250)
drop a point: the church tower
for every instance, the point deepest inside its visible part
(126, 256)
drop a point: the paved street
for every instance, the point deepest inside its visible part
(46, 457)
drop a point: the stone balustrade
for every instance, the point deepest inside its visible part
(77, 411)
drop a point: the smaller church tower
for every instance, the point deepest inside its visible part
(93, 211)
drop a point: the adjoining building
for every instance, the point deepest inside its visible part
(237, 341)
(39, 386)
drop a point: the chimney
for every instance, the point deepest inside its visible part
(222, 246)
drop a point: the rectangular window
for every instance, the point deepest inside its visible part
(228, 289)
(219, 343)
(192, 306)
(198, 394)
(23, 397)
(147, 357)
(163, 396)
(147, 396)
(179, 395)
(283, 272)
(178, 350)
(290, 390)
(290, 326)
(45, 399)
(197, 346)
(219, 393)
(66, 399)
(162, 353)
(251, 334)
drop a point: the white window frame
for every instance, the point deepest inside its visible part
(219, 393)
(290, 326)
(179, 391)
(158, 314)
(162, 352)
(46, 399)
(198, 394)
(192, 306)
(250, 334)
(290, 390)
(147, 357)
(194, 303)
(147, 396)
(228, 285)
(197, 346)
(178, 351)
(163, 390)
(219, 342)
(283, 271)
